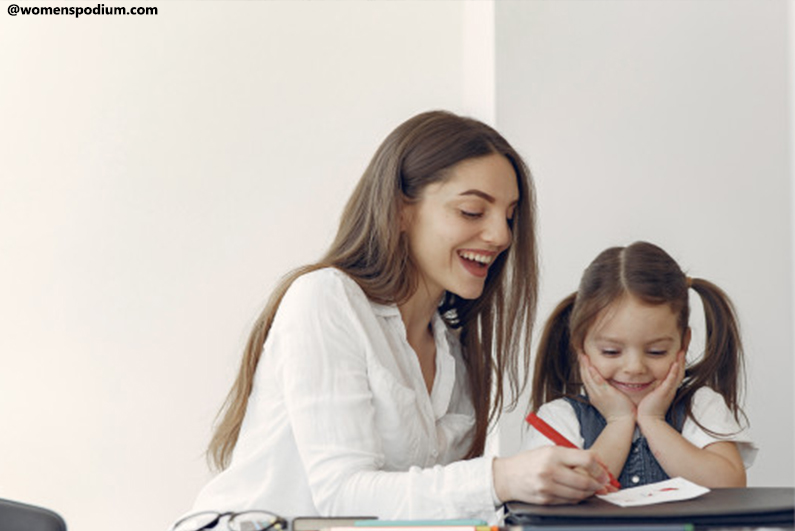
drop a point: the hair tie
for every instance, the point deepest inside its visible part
(689, 282)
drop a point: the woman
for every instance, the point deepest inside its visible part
(367, 383)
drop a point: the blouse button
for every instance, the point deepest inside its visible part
(635, 479)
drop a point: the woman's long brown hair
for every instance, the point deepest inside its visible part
(647, 272)
(370, 248)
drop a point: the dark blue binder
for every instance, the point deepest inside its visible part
(735, 507)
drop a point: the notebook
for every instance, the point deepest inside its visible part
(719, 507)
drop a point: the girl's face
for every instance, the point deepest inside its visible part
(460, 225)
(633, 344)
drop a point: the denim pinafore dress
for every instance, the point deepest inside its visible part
(641, 467)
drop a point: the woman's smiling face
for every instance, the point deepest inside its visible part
(633, 344)
(460, 225)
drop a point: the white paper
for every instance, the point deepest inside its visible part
(675, 489)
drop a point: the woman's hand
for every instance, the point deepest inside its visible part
(611, 403)
(656, 404)
(550, 475)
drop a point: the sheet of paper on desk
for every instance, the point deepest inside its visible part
(675, 489)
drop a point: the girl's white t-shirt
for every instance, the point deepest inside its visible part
(708, 407)
(340, 421)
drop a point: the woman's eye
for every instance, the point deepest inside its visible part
(471, 215)
(658, 352)
(610, 351)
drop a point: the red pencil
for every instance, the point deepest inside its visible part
(553, 435)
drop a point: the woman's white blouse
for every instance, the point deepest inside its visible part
(340, 421)
(708, 407)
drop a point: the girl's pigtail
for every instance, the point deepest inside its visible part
(722, 366)
(554, 372)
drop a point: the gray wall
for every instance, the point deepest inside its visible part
(668, 122)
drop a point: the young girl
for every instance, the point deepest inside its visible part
(648, 413)
(366, 384)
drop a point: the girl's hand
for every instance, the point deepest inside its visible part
(656, 403)
(611, 403)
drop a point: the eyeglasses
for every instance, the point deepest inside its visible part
(242, 521)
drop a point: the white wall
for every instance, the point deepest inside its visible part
(669, 122)
(157, 175)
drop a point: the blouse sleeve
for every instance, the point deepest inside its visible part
(711, 411)
(322, 347)
(560, 415)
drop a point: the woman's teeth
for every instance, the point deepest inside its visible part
(480, 258)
